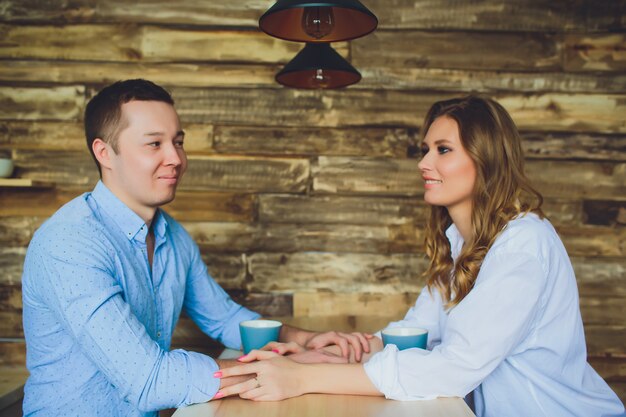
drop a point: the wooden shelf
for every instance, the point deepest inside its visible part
(24, 183)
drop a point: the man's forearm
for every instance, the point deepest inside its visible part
(294, 334)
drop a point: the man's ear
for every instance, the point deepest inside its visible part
(102, 151)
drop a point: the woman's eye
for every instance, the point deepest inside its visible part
(443, 149)
(423, 151)
(179, 144)
(154, 144)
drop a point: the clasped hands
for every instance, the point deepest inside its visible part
(281, 369)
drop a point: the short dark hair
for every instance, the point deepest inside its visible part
(103, 114)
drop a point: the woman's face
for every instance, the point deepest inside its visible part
(448, 171)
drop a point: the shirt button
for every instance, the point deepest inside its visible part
(158, 334)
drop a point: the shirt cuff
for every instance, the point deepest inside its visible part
(231, 337)
(383, 370)
(202, 386)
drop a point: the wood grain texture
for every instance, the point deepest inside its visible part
(485, 81)
(530, 15)
(453, 50)
(33, 103)
(246, 174)
(557, 112)
(186, 74)
(130, 43)
(314, 141)
(595, 52)
(336, 272)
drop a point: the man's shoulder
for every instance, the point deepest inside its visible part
(75, 218)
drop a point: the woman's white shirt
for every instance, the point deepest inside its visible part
(516, 339)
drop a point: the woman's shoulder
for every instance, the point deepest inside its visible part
(527, 233)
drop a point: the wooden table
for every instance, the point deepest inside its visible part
(326, 405)
(316, 405)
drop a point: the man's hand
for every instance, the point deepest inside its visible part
(357, 342)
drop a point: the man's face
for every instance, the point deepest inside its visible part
(150, 161)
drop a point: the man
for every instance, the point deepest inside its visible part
(105, 278)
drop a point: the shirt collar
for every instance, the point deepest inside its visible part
(455, 239)
(127, 220)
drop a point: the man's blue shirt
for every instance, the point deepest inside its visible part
(98, 320)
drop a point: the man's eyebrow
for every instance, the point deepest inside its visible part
(179, 133)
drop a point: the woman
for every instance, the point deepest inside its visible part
(501, 305)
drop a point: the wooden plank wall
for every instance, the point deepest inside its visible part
(309, 202)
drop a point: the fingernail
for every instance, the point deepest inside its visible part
(242, 357)
(275, 351)
(217, 374)
(218, 395)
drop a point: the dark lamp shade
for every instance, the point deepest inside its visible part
(318, 66)
(339, 20)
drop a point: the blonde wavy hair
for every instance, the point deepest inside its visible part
(501, 192)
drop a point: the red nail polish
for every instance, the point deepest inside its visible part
(242, 357)
(217, 374)
(275, 351)
(218, 395)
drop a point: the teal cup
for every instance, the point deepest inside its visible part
(405, 337)
(257, 333)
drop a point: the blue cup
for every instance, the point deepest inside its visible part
(257, 333)
(405, 337)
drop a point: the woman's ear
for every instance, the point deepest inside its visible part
(102, 152)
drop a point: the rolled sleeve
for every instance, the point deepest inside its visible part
(481, 332)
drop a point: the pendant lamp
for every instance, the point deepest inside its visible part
(318, 21)
(317, 66)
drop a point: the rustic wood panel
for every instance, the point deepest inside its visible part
(29, 202)
(594, 240)
(530, 15)
(218, 237)
(484, 81)
(579, 146)
(65, 168)
(13, 353)
(246, 174)
(232, 13)
(560, 179)
(59, 103)
(606, 213)
(604, 311)
(208, 206)
(252, 75)
(563, 212)
(71, 136)
(599, 113)
(599, 277)
(17, 231)
(11, 264)
(282, 208)
(165, 74)
(144, 43)
(227, 270)
(315, 304)
(468, 50)
(314, 141)
(334, 272)
(595, 52)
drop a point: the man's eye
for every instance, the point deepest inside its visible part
(179, 144)
(154, 144)
(443, 149)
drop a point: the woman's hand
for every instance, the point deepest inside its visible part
(277, 377)
(297, 353)
(284, 348)
(358, 342)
